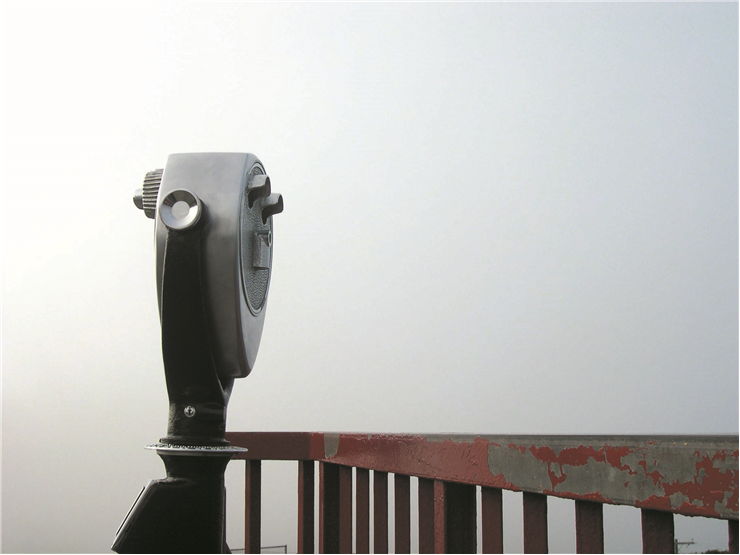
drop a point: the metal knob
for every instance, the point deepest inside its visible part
(272, 205)
(146, 198)
(258, 187)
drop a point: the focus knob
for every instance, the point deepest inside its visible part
(146, 198)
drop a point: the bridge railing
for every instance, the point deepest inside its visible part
(659, 475)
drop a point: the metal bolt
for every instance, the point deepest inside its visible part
(266, 236)
(189, 411)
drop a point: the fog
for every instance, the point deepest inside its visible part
(499, 218)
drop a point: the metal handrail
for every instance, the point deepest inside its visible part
(661, 475)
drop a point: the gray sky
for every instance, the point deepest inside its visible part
(499, 219)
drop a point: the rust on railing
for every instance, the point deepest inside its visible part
(662, 475)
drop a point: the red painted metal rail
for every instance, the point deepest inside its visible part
(661, 475)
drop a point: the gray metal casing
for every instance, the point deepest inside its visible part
(220, 181)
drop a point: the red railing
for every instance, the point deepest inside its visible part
(661, 475)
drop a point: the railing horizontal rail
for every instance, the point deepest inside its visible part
(689, 475)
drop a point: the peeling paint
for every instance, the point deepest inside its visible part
(660, 477)
(331, 445)
(678, 499)
(692, 475)
(457, 438)
(615, 455)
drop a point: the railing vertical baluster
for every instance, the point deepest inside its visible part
(252, 506)
(461, 518)
(305, 506)
(492, 520)
(380, 512)
(426, 515)
(535, 522)
(454, 518)
(328, 508)
(362, 506)
(402, 505)
(345, 509)
(589, 527)
(732, 543)
(657, 531)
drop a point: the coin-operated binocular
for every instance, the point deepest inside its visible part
(214, 231)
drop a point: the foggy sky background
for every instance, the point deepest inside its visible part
(499, 219)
